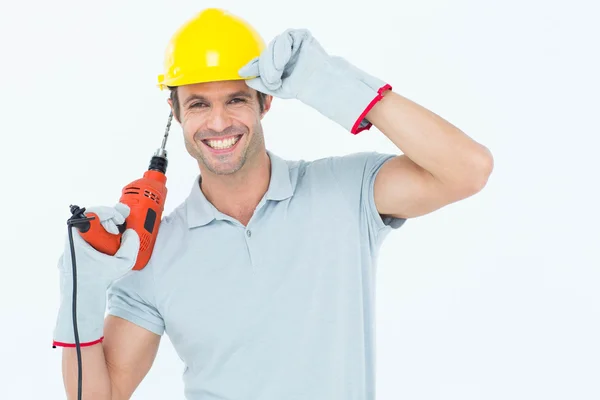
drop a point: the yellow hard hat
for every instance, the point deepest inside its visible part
(210, 47)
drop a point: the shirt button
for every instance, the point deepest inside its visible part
(248, 233)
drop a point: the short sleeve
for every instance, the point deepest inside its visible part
(355, 175)
(131, 298)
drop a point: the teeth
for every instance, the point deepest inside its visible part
(222, 144)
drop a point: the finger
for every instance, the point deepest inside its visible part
(258, 85)
(250, 70)
(281, 52)
(272, 62)
(103, 212)
(110, 226)
(130, 245)
(118, 213)
(299, 35)
(123, 212)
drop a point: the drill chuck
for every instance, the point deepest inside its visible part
(158, 163)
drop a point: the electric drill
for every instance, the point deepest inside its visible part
(146, 200)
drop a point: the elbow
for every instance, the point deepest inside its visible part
(480, 167)
(483, 165)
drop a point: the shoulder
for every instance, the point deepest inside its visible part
(351, 165)
(170, 237)
(172, 226)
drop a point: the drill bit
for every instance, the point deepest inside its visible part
(161, 152)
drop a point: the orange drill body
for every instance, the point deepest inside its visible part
(146, 200)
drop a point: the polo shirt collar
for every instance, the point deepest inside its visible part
(280, 186)
(200, 211)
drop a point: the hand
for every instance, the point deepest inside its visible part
(100, 267)
(95, 272)
(294, 65)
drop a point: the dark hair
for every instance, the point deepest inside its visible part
(175, 99)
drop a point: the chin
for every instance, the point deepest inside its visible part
(225, 170)
(224, 166)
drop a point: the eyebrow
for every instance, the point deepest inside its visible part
(194, 97)
(240, 93)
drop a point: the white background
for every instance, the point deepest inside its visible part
(492, 298)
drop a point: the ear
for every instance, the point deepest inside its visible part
(173, 110)
(267, 107)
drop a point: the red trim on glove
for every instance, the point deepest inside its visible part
(355, 127)
(61, 344)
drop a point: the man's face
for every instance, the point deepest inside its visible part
(221, 124)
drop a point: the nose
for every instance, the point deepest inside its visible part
(218, 119)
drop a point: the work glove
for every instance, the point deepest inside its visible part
(295, 66)
(95, 272)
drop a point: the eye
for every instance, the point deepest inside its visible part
(237, 100)
(197, 105)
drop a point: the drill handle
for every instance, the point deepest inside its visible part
(101, 240)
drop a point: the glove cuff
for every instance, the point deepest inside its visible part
(91, 308)
(343, 93)
(362, 123)
(56, 344)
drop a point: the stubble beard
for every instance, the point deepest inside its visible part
(253, 143)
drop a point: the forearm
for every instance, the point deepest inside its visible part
(431, 142)
(95, 374)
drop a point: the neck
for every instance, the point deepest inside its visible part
(238, 194)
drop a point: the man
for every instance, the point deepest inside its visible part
(264, 277)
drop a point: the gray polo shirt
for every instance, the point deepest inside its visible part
(282, 309)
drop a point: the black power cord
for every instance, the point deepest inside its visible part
(80, 221)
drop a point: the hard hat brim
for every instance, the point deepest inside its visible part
(201, 76)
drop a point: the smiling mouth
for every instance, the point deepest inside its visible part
(222, 144)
